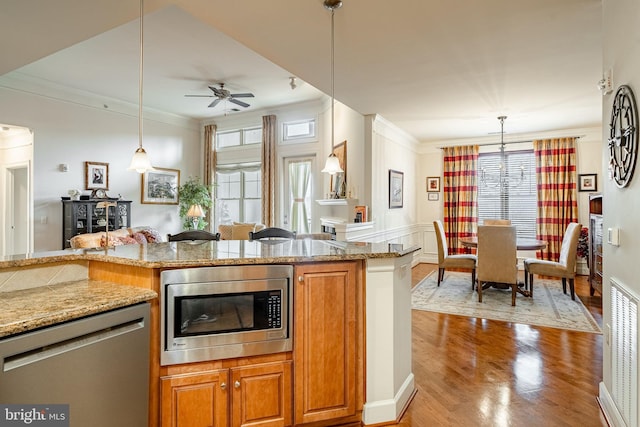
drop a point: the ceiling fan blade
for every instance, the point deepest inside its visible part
(214, 103)
(240, 103)
(199, 96)
(241, 95)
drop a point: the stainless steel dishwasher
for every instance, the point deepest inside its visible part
(98, 365)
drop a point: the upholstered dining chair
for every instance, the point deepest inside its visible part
(497, 258)
(193, 235)
(564, 268)
(445, 261)
(272, 233)
(496, 222)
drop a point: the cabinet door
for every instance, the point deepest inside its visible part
(325, 345)
(195, 400)
(262, 395)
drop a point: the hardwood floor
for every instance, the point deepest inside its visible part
(477, 372)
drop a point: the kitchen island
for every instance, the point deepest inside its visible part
(383, 384)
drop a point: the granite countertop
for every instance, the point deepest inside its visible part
(29, 309)
(224, 252)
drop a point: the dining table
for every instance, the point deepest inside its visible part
(522, 243)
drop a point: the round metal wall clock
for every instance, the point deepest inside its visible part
(623, 137)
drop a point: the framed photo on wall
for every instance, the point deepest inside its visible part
(96, 176)
(396, 189)
(433, 184)
(160, 186)
(433, 197)
(588, 182)
(339, 181)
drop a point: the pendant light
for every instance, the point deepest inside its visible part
(140, 161)
(332, 166)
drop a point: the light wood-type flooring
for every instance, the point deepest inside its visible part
(475, 372)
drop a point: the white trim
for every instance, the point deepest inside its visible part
(609, 410)
(389, 409)
(40, 88)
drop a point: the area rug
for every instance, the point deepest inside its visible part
(548, 307)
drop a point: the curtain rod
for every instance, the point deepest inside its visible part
(510, 142)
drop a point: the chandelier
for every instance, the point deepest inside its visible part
(504, 177)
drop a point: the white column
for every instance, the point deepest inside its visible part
(390, 381)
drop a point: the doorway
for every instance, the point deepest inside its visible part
(16, 193)
(17, 211)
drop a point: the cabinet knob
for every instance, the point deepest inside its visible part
(236, 384)
(223, 386)
(300, 278)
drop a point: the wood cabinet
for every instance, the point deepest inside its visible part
(595, 243)
(195, 400)
(262, 395)
(83, 216)
(326, 371)
(255, 395)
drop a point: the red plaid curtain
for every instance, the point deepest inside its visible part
(460, 194)
(557, 197)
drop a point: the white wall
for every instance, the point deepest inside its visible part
(389, 148)
(621, 53)
(75, 132)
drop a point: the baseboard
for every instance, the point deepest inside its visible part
(609, 409)
(389, 410)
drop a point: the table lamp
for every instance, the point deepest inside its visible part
(195, 212)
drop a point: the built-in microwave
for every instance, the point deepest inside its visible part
(212, 313)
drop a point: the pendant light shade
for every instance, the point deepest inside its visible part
(140, 161)
(332, 166)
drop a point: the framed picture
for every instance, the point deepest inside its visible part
(396, 189)
(160, 186)
(588, 182)
(96, 176)
(433, 184)
(433, 197)
(339, 183)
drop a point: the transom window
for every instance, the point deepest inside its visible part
(299, 131)
(239, 137)
(507, 189)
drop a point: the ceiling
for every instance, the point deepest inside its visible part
(439, 69)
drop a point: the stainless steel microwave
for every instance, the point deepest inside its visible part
(212, 313)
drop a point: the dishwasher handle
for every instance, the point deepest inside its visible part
(35, 355)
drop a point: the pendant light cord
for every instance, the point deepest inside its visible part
(332, 79)
(141, 76)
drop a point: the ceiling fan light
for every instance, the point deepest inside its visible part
(332, 166)
(140, 161)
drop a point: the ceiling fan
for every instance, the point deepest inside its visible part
(222, 94)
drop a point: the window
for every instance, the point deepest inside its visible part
(507, 189)
(298, 185)
(299, 130)
(238, 194)
(239, 137)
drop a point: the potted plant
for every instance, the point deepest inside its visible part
(583, 244)
(193, 192)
